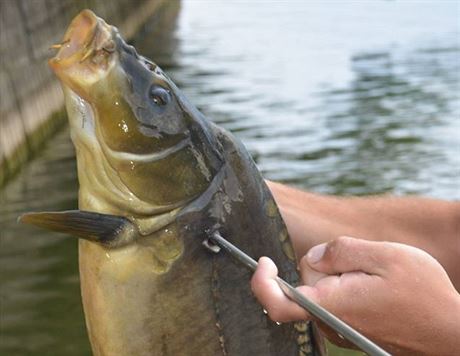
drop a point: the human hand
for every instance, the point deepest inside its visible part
(397, 295)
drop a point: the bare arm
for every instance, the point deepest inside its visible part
(429, 224)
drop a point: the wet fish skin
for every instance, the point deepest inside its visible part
(148, 155)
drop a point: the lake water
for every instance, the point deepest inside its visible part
(341, 97)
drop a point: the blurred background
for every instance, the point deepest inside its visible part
(339, 97)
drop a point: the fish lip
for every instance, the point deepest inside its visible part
(86, 53)
(78, 36)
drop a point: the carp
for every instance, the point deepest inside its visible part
(155, 179)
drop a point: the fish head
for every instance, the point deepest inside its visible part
(130, 118)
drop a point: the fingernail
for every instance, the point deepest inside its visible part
(316, 253)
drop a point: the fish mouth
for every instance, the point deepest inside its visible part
(85, 53)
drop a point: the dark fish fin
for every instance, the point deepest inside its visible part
(106, 229)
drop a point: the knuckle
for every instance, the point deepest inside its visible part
(418, 257)
(275, 314)
(335, 248)
(303, 263)
(338, 250)
(344, 241)
(255, 284)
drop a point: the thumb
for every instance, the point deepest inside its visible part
(270, 295)
(348, 254)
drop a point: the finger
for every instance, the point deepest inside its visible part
(347, 254)
(308, 275)
(269, 294)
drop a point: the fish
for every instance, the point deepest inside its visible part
(156, 178)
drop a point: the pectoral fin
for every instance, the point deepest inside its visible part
(108, 230)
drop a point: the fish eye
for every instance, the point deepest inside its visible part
(159, 95)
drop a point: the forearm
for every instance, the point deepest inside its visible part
(429, 224)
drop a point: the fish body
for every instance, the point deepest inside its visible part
(150, 164)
